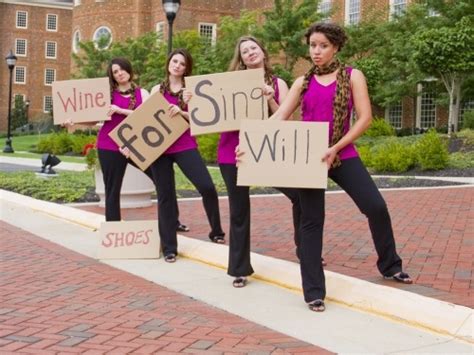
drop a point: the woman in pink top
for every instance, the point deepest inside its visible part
(249, 53)
(185, 154)
(328, 92)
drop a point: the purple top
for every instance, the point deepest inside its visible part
(230, 140)
(103, 140)
(185, 141)
(317, 106)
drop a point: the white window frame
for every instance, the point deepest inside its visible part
(388, 117)
(16, 47)
(348, 13)
(47, 22)
(97, 30)
(44, 103)
(46, 71)
(26, 19)
(46, 49)
(393, 9)
(419, 108)
(214, 30)
(326, 12)
(15, 75)
(74, 45)
(466, 105)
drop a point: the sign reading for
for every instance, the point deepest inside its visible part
(149, 130)
(221, 100)
(283, 154)
(84, 100)
(129, 240)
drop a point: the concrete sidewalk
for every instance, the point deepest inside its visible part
(56, 300)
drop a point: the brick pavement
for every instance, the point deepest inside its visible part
(434, 230)
(54, 301)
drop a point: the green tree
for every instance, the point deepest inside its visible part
(19, 113)
(447, 53)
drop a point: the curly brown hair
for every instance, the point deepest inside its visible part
(333, 32)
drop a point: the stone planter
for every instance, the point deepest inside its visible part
(136, 188)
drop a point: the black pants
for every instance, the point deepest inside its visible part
(293, 196)
(354, 179)
(192, 165)
(113, 165)
(239, 234)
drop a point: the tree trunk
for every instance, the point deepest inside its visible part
(454, 101)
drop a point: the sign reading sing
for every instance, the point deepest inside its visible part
(283, 154)
(149, 130)
(83, 100)
(220, 101)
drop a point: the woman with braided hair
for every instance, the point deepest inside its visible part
(328, 92)
(185, 154)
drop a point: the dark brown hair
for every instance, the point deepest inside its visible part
(124, 64)
(165, 85)
(333, 32)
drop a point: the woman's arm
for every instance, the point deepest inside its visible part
(283, 92)
(289, 104)
(363, 111)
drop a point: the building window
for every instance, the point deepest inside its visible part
(50, 50)
(21, 19)
(427, 109)
(397, 7)
(160, 30)
(49, 76)
(324, 8)
(207, 31)
(51, 22)
(21, 47)
(102, 37)
(18, 97)
(466, 105)
(352, 12)
(47, 104)
(394, 115)
(20, 75)
(76, 38)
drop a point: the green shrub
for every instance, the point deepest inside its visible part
(468, 120)
(79, 141)
(380, 127)
(467, 135)
(365, 155)
(431, 151)
(461, 160)
(63, 142)
(402, 132)
(208, 147)
(393, 157)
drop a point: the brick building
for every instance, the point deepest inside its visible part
(43, 33)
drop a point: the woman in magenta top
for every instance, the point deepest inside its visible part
(185, 154)
(249, 53)
(328, 92)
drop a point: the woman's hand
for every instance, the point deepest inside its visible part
(68, 123)
(269, 92)
(173, 110)
(125, 152)
(238, 155)
(114, 109)
(329, 156)
(187, 95)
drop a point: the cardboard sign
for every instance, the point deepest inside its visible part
(129, 240)
(83, 100)
(221, 100)
(149, 130)
(283, 154)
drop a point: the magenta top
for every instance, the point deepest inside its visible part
(185, 141)
(317, 106)
(104, 142)
(230, 140)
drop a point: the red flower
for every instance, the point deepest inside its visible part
(87, 148)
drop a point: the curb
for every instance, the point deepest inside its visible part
(402, 306)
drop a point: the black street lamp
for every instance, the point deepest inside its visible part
(11, 61)
(171, 8)
(27, 107)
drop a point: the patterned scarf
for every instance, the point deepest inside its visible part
(131, 92)
(165, 87)
(343, 91)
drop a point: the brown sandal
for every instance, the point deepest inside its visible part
(317, 306)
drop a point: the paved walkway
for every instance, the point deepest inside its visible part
(434, 230)
(54, 300)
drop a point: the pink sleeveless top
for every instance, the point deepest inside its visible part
(185, 141)
(317, 106)
(104, 142)
(230, 140)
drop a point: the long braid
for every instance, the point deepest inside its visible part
(165, 87)
(343, 88)
(133, 97)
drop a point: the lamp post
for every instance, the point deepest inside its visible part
(27, 107)
(11, 61)
(171, 8)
